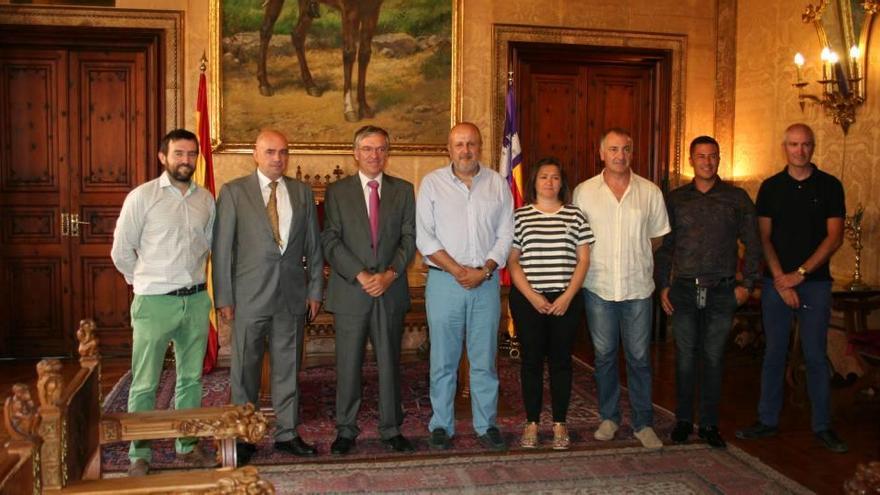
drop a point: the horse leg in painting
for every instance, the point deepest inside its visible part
(350, 30)
(369, 18)
(270, 15)
(303, 23)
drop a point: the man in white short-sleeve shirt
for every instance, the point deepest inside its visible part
(628, 218)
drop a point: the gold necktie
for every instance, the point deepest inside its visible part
(272, 211)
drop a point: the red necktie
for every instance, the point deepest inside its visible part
(374, 213)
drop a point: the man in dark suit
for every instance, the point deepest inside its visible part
(266, 224)
(368, 247)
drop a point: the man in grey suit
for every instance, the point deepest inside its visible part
(266, 224)
(368, 247)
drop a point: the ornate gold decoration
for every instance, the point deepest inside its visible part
(243, 422)
(814, 13)
(49, 383)
(244, 481)
(111, 431)
(20, 415)
(871, 6)
(865, 481)
(853, 229)
(725, 79)
(88, 343)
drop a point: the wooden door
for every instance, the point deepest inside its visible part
(569, 95)
(81, 134)
(34, 177)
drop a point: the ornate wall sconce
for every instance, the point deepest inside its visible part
(841, 93)
(845, 24)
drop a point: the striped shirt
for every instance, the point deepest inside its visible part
(548, 245)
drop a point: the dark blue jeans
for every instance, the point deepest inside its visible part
(700, 338)
(813, 315)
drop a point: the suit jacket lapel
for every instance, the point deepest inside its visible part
(256, 197)
(288, 182)
(386, 203)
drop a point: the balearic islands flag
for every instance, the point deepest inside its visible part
(511, 159)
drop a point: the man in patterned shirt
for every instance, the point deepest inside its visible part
(696, 273)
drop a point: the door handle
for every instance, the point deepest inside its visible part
(65, 225)
(75, 223)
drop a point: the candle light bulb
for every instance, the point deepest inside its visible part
(833, 58)
(826, 54)
(798, 60)
(854, 52)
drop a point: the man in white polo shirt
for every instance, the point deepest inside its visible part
(629, 220)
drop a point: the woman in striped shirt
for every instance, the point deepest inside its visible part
(548, 263)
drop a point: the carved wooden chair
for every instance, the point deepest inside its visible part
(73, 429)
(19, 459)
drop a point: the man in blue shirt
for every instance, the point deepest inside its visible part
(464, 227)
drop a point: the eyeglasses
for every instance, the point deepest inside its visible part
(370, 149)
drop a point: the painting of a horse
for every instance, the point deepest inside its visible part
(359, 18)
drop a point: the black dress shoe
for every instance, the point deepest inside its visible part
(757, 430)
(297, 447)
(712, 436)
(341, 446)
(492, 440)
(439, 440)
(399, 443)
(682, 431)
(831, 442)
(243, 452)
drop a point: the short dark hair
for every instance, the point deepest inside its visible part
(369, 130)
(531, 194)
(703, 140)
(176, 135)
(620, 131)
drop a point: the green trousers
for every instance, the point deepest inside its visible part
(158, 320)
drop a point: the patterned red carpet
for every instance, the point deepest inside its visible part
(690, 469)
(591, 467)
(318, 389)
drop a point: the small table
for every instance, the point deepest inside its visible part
(855, 305)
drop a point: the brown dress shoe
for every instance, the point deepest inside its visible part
(138, 467)
(198, 458)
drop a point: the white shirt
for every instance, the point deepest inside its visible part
(621, 259)
(163, 237)
(366, 188)
(472, 224)
(282, 200)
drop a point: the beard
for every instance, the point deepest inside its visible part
(182, 173)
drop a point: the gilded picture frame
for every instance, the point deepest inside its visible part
(412, 84)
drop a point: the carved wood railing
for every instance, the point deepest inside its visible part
(20, 457)
(72, 430)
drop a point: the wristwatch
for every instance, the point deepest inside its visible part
(802, 271)
(488, 275)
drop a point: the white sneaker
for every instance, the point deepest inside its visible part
(648, 438)
(606, 430)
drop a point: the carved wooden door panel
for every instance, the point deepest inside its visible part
(108, 158)
(76, 142)
(34, 251)
(569, 95)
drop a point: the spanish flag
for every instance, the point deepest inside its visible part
(204, 176)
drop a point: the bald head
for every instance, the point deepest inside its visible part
(798, 145)
(465, 144)
(271, 153)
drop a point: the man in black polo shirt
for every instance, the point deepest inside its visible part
(800, 216)
(696, 272)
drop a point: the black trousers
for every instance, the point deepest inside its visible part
(545, 337)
